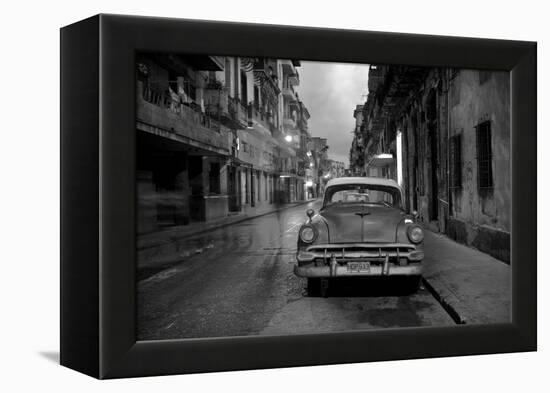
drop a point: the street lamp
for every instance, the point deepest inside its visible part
(380, 156)
(288, 138)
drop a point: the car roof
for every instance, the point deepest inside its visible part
(377, 181)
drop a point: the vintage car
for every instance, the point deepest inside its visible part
(360, 230)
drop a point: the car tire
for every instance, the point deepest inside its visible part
(313, 287)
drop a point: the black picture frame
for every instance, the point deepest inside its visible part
(98, 249)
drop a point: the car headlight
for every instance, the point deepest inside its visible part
(415, 233)
(308, 234)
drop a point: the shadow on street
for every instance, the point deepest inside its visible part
(369, 286)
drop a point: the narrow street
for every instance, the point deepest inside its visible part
(232, 151)
(238, 280)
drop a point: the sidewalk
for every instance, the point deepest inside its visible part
(475, 285)
(162, 249)
(167, 235)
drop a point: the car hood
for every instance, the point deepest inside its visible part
(359, 223)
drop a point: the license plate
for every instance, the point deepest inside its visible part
(359, 267)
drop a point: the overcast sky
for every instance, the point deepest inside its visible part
(330, 91)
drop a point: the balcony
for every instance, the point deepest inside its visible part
(288, 66)
(376, 77)
(163, 114)
(205, 63)
(389, 88)
(238, 111)
(265, 75)
(289, 124)
(262, 121)
(294, 79)
(290, 72)
(227, 110)
(289, 93)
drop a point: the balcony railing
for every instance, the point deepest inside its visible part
(266, 75)
(294, 79)
(238, 111)
(288, 66)
(288, 92)
(164, 111)
(289, 124)
(173, 103)
(264, 119)
(225, 108)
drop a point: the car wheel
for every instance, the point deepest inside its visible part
(313, 286)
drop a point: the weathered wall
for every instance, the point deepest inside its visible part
(446, 104)
(471, 103)
(482, 219)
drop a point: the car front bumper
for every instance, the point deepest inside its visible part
(342, 260)
(342, 271)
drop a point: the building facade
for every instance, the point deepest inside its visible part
(215, 136)
(357, 150)
(319, 164)
(444, 135)
(335, 169)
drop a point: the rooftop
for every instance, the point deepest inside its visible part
(378, 181)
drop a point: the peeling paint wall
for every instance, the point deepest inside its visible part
(429, 111)
(476, 98)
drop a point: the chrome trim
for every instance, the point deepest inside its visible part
(342, 271)
(372, 252)
(361, 245)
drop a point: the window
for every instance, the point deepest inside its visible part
(228, 74)
(256, 98)
(173, 81)
(454, 93)
(244, 89)
(361, 193)
(455, 161)
(484, 156)
(265, 183)
(258, 185)
(190, 90)
(246, 186)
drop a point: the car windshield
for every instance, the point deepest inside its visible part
(362, 193)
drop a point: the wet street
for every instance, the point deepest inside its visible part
(238, 280)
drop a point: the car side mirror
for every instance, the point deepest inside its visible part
(310, 213)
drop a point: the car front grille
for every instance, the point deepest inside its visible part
(375, 254)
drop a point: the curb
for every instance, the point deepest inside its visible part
(453, 313)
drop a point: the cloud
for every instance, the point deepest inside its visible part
(331, 91)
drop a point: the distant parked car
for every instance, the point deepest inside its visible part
(360, 230)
